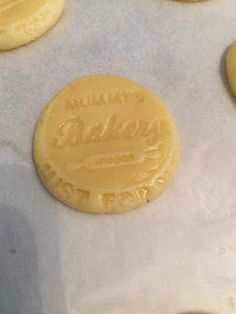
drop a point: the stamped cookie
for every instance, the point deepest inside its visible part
(22, 21)
(106, 144)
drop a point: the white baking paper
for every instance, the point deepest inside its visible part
(176, 255)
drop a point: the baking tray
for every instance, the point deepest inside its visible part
(175, 255)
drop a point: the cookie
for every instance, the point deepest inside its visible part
(22, 21)
(231, 67)
(106, 144)
(190, 0)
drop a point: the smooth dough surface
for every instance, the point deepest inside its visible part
(231, 67)
(22, 21)
(106, 144)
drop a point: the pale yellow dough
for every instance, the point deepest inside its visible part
(106, 144)
(190, 0)
(22, 21)
(231, 67)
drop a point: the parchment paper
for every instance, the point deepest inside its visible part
(176, 255)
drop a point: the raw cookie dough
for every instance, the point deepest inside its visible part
(22, 21)
(231, 67)
(106, 144)
(190, 0)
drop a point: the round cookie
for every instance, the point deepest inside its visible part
(231, 67)
(106, 144)
(22, 21)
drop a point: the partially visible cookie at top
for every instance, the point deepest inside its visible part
(190, 0)
(23, 21)
(106, 144)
